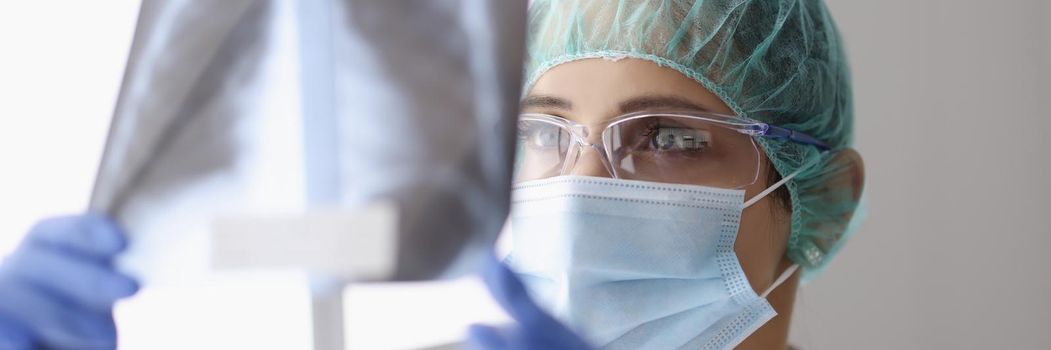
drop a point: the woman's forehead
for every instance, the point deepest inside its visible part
(604, 87)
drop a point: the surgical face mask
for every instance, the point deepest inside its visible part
(638, 265)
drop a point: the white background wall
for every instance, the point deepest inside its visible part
(60, 67)
(954, 122)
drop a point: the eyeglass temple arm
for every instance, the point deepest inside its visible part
(778, 132)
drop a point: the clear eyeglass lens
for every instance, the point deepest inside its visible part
(541, 149)
(682, 150)
(669, 149)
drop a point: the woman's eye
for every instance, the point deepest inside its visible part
(671, 139)
(543, 137)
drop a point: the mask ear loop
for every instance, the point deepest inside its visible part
(782, 182)
(773, 188)
(791, 270)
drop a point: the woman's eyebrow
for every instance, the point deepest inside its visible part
(642, 103)
(544, 101)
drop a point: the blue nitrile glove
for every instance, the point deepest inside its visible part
(533, 328)
(58, 288)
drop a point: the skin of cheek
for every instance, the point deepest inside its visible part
(763, 235)
(761, 243)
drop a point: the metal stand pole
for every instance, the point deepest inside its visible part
(327, 313)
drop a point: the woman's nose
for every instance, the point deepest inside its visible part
(590, 163)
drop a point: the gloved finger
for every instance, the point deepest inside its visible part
(481, 337)
(89, 234)
(511, 294)
(14, 335)
(55, 322)
(537, 328)
(75, 278)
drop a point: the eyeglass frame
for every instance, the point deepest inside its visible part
(749, 127)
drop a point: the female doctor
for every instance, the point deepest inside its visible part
(680, 165)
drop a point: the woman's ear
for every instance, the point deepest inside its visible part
(853, 174)
(832, 199)
(842, 185)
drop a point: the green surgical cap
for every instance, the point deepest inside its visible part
(780, 62)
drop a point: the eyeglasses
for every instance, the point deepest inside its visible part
(688, 147)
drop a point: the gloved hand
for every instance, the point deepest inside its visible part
(58, 288)
(533, 328)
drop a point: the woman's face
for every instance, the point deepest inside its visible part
(592, 92)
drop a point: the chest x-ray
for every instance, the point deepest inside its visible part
(380, 132)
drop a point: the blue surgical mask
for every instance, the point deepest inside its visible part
(638, 265)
